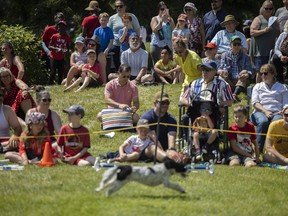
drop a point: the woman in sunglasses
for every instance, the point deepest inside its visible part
(17, 95)
(263, 36)
(268, 99)
(52, 119)
(115, 23)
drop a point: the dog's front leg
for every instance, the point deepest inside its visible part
(173, 186)
(115, 186)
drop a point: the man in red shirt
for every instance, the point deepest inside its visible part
(91, 22)
(46, 36)
(59, 45)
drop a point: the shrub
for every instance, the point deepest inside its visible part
(27, 46)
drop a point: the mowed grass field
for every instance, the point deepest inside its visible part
(69, 190)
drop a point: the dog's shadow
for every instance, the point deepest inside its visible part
(155, 197)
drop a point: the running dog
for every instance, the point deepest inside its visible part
(116, 177)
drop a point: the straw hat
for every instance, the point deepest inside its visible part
(93, 5)
(229, 18)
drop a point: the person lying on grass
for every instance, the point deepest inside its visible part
(74, 139)
(32, 141)
(244, 146)
(140, 146)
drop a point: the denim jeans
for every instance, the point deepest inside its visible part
(260, 120)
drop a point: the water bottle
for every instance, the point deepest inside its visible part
(11, 167)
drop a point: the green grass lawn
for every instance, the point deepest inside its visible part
(69, 190)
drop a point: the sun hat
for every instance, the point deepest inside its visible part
(190, 5)
(35, 118)
(80, 39)
(229, 18)
(93, 5)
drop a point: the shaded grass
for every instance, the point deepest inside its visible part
(69, 190)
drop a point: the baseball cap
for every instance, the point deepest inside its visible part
(77, 109)
(235, 37)
(165, 96)
(35, 118)
(190, 5)
(211, 45)
(209, 64)
(142, 123)
(80, 39)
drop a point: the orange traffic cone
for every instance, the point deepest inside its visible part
(47, 159)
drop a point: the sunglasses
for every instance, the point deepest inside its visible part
(187, 9)
(134, 39)
(4, 76)
(270, 9)
(206, 71)
(91, 44)
(285, 114)
(162, 9)
(236, 44)
(46, 100)
(164, 102)
(264, 73)
(119, 6)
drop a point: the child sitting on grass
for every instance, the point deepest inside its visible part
(32, 141)
(140, 146)
(74, 139)
(165, 68)
(244, 147)
(203, 134)
(90, 73)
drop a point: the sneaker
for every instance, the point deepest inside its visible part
(205, 148)
(198, 155)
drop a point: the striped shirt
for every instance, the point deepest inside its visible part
(220, 88)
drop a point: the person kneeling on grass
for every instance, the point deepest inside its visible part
(244, 146)
(140, 146)
(32, 141)
(90, 73)
(276, 144)
(74, 139)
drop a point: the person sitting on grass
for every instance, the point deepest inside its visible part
(244, 146)
(122, 93)
(90, 75)
(276, 144)
(77, 59)
(165, 68)
(203, 134)
(32, 141)
(140, 147)
(74, 139)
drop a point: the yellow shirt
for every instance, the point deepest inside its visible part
(171, 64)
(189, 67)
(279, 136)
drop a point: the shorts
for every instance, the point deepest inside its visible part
(242, 159)
(94, 83)
(203, 137)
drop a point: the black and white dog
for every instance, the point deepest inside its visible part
(116, 177)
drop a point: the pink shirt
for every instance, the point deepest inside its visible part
(121, 94)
